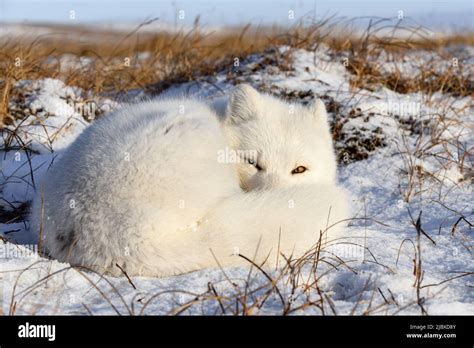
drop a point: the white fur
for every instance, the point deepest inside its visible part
(142, 187)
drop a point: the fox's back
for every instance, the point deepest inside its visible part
(155, 162)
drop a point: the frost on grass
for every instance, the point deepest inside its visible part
(406, 159)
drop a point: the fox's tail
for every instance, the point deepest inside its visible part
(261, 225)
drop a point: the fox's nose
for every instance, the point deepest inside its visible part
(272, 180)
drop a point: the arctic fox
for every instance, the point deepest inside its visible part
(145, 190)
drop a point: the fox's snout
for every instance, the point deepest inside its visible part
(265, 182)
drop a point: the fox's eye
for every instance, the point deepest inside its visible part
(254, 163)
(299, 170)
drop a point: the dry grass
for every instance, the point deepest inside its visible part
(435, 142)
(153, 61)
(115, 63)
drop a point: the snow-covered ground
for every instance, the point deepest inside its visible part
(404, 160)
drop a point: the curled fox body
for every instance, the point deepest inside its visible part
(144, 188)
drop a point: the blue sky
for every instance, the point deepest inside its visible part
(451, 13)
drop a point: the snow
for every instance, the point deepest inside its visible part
(378, 276)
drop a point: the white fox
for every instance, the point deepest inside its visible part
(144, 190)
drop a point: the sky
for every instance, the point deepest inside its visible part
(436, 13)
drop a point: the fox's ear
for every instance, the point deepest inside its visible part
(243, 104)
(318, 110)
